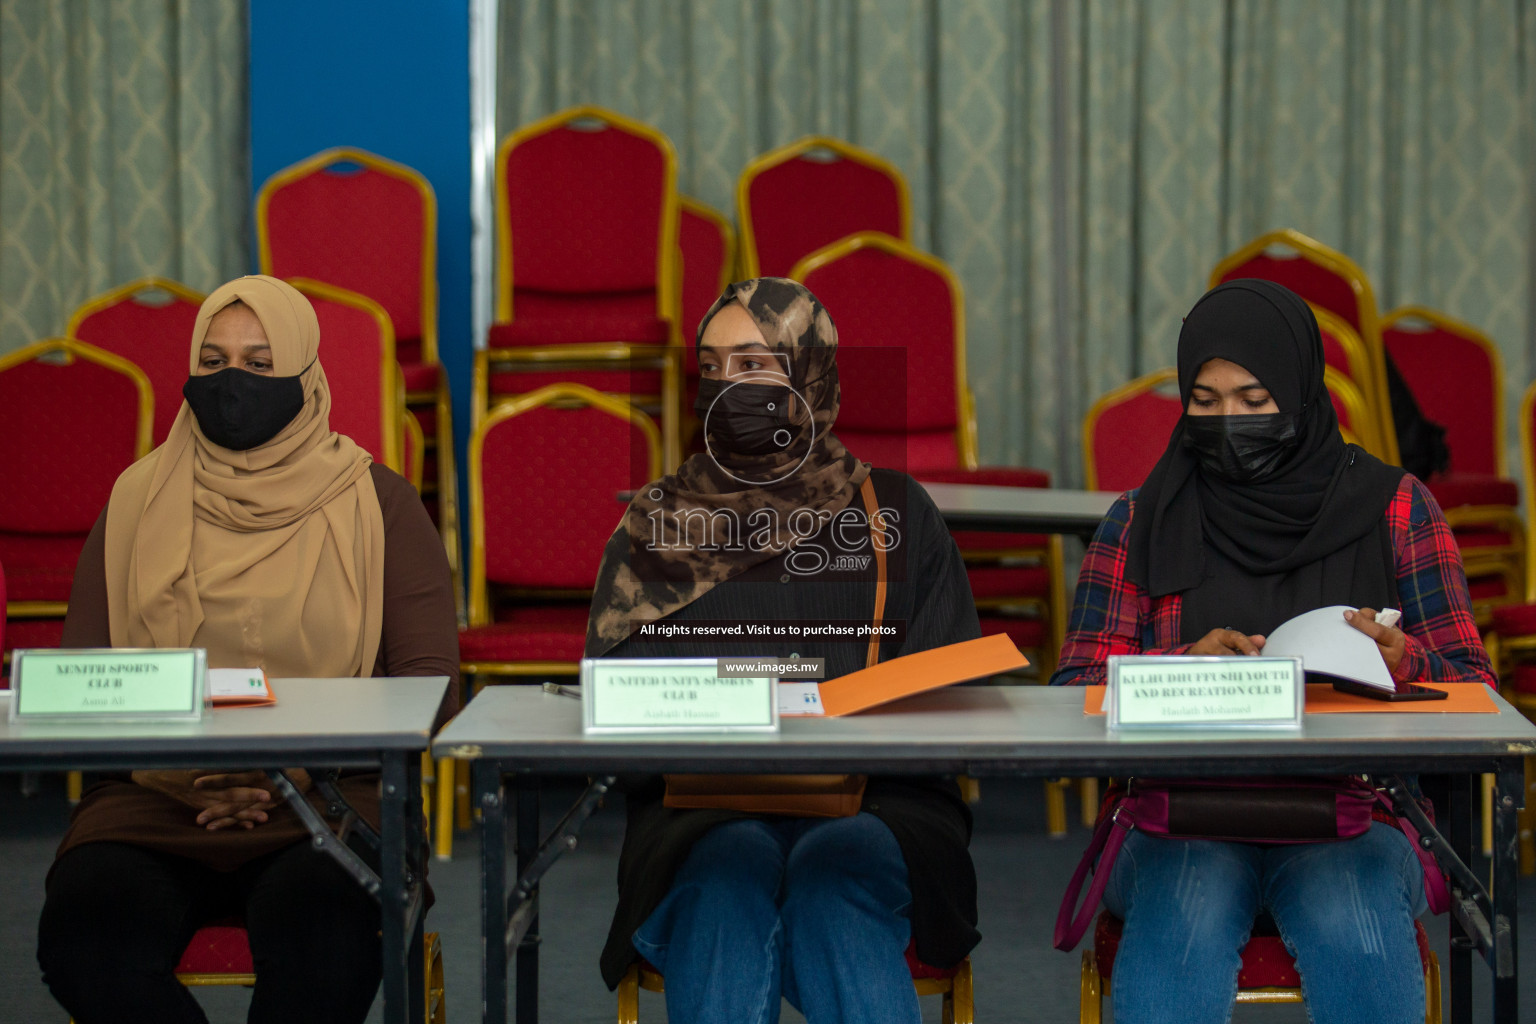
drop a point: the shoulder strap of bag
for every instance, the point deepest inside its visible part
(1108, 836)
(877, 539)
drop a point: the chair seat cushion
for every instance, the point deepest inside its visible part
(420, 376)
(1026, 634)
(990, 581)
(1472, 538)
(545, 633)
(544, 318)
(1525, 678)
(1455, 489)
(1512, 620)
(217, 949)
(39, 567)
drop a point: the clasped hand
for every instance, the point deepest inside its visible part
(223, 799)
(1389, 640)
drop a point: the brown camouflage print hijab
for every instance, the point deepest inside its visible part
(722, 513)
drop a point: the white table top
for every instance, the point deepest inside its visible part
(981, 730)
(325, 722)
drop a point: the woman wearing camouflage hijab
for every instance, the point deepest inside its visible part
(768, 527)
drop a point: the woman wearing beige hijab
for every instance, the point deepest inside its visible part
(258, 533)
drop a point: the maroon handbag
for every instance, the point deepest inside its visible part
(1269, 811)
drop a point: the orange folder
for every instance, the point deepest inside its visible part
(916, 673)
(1323, 699)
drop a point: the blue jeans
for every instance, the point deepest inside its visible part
(1345, 911)
(815, 909)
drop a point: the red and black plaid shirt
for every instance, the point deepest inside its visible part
(1112, 615)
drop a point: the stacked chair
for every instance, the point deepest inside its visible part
(546, 472)
(352, 220)
(74, 416)
(798, 198)
(587, 224)
(149, 323)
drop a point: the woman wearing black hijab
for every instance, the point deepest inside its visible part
(771, 526)
(1258, 511)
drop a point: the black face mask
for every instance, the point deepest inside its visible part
(1240, 449)
(745, 418)
(240, 410)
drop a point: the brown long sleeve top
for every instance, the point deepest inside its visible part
(420, 638)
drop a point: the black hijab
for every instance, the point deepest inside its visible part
(1309, 533)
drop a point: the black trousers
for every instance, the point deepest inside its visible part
(117, 918)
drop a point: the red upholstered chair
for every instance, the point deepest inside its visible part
(148, 322)
(1330, 280)
(1457, 377)
(587, 252)
(798, 198)
(1268, 973)
(355, 220)
(74, 417)
(906, 405)
(220, 954)
(357, 349)
(545, 470)
(1126, 431)
(955, 985)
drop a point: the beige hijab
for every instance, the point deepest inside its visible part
(272, 556)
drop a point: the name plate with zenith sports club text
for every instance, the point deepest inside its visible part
(108, 684)
(1188, 691)
(674, 695)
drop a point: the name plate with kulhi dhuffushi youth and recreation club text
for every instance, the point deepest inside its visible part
(674, 695)
(1157, 692)
(108, 684)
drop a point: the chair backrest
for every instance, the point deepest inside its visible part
(357, 349)
(1328, 279)
(901, 351)
(1343, 350)
(1126, 431)
(708, 248)
(355, 220)
(148, 322)
(1457, 376)
(798, 198)
(73, 416)
(1355, 421)
(586, 203)
(545, 470)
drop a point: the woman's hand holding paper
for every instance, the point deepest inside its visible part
(1390, 641)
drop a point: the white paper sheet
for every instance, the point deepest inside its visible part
(1326, 643)
(800, 698)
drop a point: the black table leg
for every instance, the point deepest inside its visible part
(404, 991)
(528, 948)
(1508, 797)
(491, 797)
(1460, 837)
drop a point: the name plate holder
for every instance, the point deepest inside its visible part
(108, 684)
(1195, 692)
(639, 695)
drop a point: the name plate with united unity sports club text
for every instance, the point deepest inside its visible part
(108, 684)
(634, 695)
(1186, 691)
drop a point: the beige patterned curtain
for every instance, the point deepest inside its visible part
(1083, 163)
(123, 151)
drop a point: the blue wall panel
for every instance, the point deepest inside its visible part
(389, 76)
